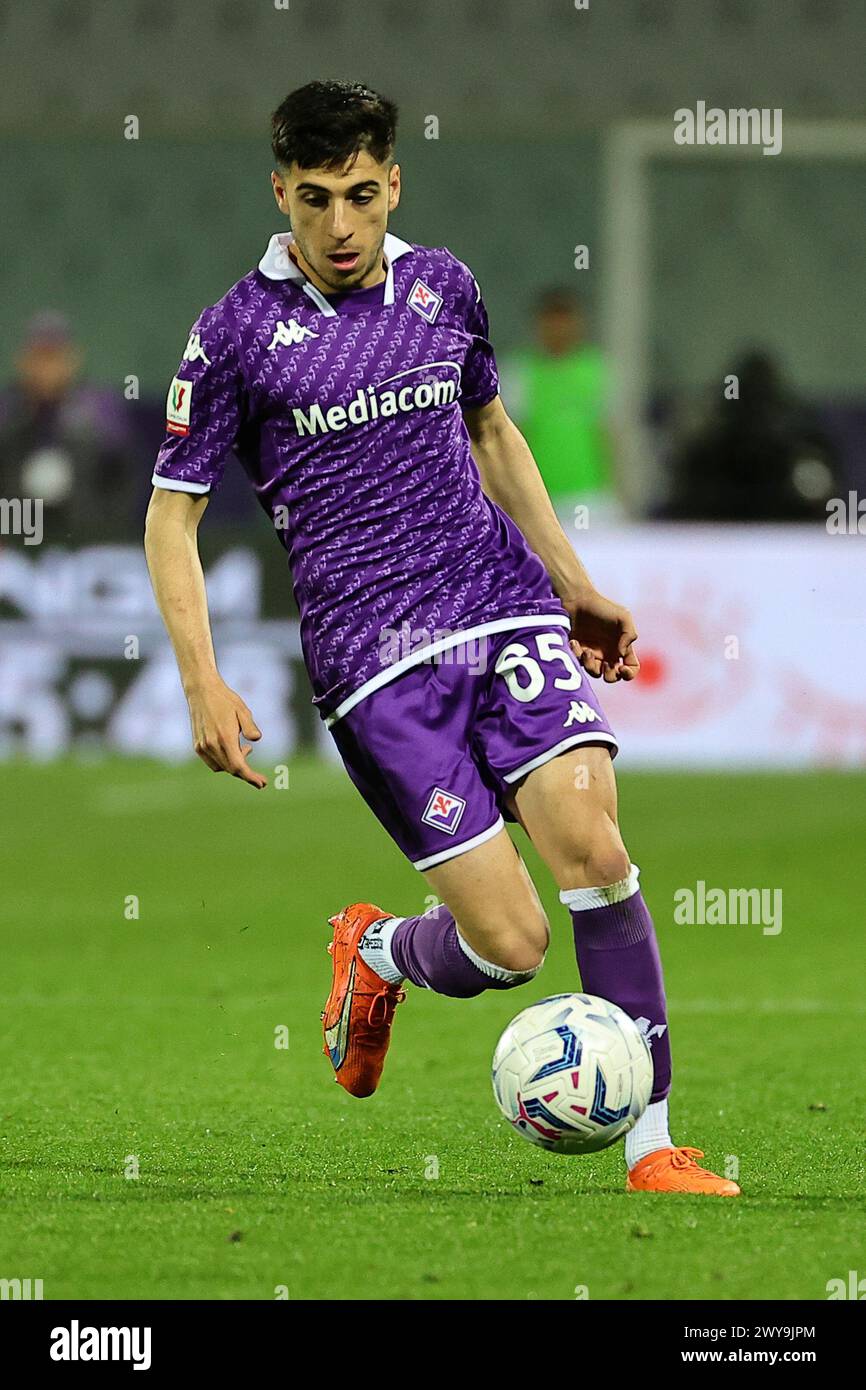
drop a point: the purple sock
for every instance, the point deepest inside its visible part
(618, 959)
(427, 951)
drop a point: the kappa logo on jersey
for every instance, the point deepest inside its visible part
(194, 350)
(424, 301)
(444, 810)
(579, 712)
(177, 406)
(290, 334)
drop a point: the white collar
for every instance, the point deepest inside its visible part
(277, 264)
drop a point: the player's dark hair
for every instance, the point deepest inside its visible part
(322, 125)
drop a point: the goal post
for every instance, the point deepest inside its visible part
(631, 149)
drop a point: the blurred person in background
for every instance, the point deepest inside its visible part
(557, 393)
(66, 441)
(760, 457)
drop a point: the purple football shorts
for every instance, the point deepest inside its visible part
(435, 751)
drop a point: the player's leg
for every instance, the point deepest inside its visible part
(489, 931)
(568, 807)
(499, 943)
(407, 749)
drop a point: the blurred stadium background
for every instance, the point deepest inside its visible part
(553, 133)
(534, 136)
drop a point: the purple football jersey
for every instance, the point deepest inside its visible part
(345, 412)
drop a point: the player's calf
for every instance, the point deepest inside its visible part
(491, 915)
(618, 957)
(431, 951)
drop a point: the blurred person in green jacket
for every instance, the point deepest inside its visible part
(557, 392)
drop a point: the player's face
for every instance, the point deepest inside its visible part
(339, 219)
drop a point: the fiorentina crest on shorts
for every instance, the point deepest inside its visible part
(424, 301)
(444, 810)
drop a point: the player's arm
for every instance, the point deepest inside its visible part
(218, 715)
(602, 631)
(205, 407)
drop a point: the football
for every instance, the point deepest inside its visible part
(572, 1073)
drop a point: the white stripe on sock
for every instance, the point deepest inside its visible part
(494, 972)
(650, 1133)
(580, 899)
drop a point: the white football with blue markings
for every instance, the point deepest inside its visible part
(572, 1073)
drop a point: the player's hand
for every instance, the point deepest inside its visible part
(602, 637)
(220, 720)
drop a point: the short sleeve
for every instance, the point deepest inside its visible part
(480, 376)
(204, 409)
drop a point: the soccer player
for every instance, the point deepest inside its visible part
(446, 623)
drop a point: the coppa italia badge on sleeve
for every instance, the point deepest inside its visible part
(177, 406)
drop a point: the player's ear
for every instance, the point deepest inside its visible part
(393, 187)
(278, 184)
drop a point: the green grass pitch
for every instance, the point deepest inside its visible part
(148, 1045)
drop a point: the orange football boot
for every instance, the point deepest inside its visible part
(360, 1009)
(675, 1170)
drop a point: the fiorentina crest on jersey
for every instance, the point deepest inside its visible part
(424, 301)
(444, 810)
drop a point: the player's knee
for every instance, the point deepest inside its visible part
(601, 859)
(522, 962)
(522, 967)
(523, 949)
(611, 865)
(514, 952)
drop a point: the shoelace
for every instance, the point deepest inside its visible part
(684, 1156)
(386, 994)
(388, 997)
